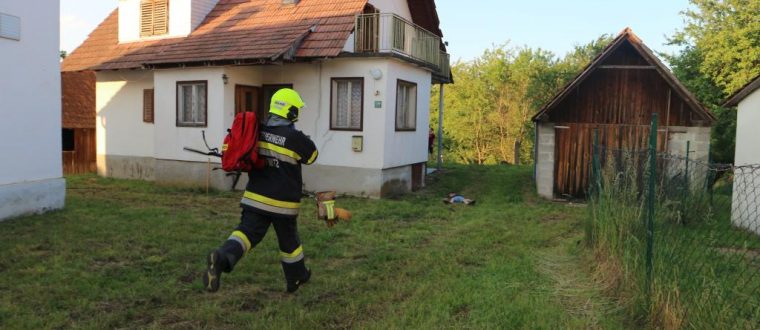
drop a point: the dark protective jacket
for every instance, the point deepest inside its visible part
(276, 189)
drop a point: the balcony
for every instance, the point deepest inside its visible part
(391, 34)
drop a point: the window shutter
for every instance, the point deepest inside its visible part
(146, 18)
(161, 17)
(148, 105)
(154, 17)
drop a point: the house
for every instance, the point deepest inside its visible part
(167, 70)
(745, 204)
(616, 93)
(78, 134)
(30, 93)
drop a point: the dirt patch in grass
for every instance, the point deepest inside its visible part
(323, 298)
(461, 312)
(189, 277)
(250, 305)
(553, 217)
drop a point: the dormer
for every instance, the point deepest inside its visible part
(155, 19)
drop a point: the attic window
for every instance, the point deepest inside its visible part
(154, 18)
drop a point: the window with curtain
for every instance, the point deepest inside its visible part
(346, 104)
(191, 103)
(406, 106)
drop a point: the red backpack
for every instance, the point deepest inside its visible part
(240, 151)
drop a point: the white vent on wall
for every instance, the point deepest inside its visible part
(10, 27)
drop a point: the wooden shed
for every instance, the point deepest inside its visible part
(616, 93)
(78, 126)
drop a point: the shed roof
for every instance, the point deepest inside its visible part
(742, 93)
(236, 31)
(626, 35)
(78, 99)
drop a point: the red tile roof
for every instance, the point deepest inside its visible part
(245, 30)
(78, 99)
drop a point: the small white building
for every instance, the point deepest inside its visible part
(30, 105)
(168, 69)
(745, 205)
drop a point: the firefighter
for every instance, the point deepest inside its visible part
(272, 196)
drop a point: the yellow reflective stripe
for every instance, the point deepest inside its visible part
(241, 237)
(296, 253)
(270, 201)
(330, 207)
(268, 208)
(313, 157)
(279, 150)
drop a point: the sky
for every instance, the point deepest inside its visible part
(470, 27)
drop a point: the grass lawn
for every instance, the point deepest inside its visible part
(130, 254)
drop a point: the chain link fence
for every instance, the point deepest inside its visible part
(684, 234)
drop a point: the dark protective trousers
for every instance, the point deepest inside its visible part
(252, 229)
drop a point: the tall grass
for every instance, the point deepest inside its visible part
(705, 271)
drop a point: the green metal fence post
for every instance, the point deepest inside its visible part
(650, 204)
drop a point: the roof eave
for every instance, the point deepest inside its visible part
(742, 93)
(636, 42)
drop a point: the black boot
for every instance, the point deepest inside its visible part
(218, 261)
(215, 267)
(294, 284)
(295, 274)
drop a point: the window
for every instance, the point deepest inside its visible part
(346, 104)
(154, 17)
(10, 27)
(148, 105)
(406, 106)
(67, 139)
(191, 103)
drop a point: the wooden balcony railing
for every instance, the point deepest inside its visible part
(389, 33)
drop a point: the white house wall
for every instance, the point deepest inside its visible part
(180, 17)
(184, 17)
(119, 125)
(124, 143)
(30, 93)
(170, 139)
(129, 20)
(406, 147)
(745, 208)
(747, 123)
(314, 87)
(398, 7)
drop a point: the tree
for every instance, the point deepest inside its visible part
(488, 110)
(62, 54)
(721, 53)
(726, 35)
(686, 67)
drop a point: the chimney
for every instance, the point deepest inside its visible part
(289, 2)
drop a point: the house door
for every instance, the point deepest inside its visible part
(246, 99)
